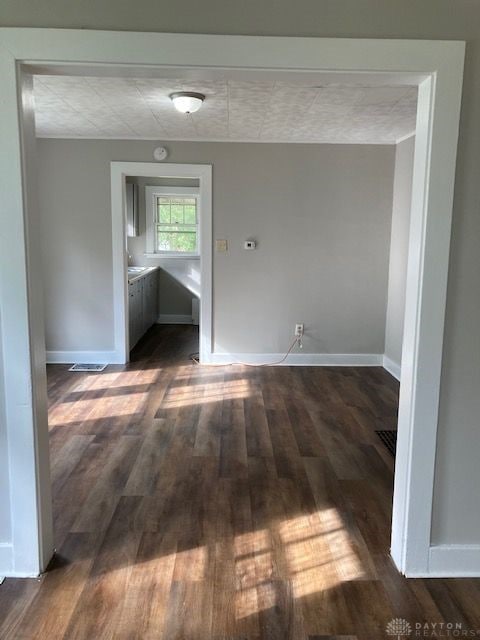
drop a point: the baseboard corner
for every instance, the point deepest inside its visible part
(393, 368)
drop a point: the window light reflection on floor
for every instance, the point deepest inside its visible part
(101, 408)
(198, 394)
(298, 550)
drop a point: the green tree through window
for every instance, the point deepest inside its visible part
(176, 224)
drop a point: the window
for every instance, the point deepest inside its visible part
(172, 220)
(176, 224)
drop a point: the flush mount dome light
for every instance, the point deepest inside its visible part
(187, 101)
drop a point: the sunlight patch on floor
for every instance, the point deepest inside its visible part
(96, 381)
(313, 552)
(254, 541)
(197, 394)
(143, 376)
(100, 408)
(191, 564)
(104, 381)
(204, 373)
(348, 564)
(246, 602)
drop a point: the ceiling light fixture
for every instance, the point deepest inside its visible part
(187, 101)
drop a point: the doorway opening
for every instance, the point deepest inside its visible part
(437, 71)
(150, 251)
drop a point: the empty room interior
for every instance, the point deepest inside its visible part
(224, 264)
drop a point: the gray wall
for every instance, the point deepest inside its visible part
(76, 233)
(173, 298)
(397, 274)
(456, 516)
(321, 215)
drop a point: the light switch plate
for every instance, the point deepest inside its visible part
(221, 246)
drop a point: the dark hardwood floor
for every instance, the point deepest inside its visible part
(231, 503)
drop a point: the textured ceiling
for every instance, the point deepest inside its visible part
(257, 111)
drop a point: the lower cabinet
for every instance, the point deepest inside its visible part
(150, 299)
(142, 305)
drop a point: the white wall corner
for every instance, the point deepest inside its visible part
(454, 561)
(392, 367)
(301, 359)
(87, 357)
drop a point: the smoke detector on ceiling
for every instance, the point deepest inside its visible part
(160, 153)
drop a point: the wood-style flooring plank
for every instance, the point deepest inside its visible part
(49, 614)
(222, 503)
(233, 441)
(105, 592)
(145, 609)
(97, 509)
(257, 432)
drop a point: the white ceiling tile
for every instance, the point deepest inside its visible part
(233, 110)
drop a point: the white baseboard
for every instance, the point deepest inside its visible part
(454, 561)
(392, 367)
(88, 357)
(19, 574)
(301, 359)
(169, 318)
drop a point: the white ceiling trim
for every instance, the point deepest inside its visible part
(371, 141)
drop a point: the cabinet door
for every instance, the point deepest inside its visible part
(149, 300)
(131, 315)
(134, 315)
(137, 329)
(146, 302)
(145, 298)
(154, 297)
(149, 303)
(139, 306)
(142, 306)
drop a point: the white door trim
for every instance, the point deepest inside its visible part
(118, 172)
(437, 67)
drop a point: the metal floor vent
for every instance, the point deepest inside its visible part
(389, 439)
(88, 367)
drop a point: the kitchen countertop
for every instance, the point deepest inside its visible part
(133, 277)
(189, 279)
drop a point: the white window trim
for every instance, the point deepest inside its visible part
(151, 192)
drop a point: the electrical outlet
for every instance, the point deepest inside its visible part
(299, 329)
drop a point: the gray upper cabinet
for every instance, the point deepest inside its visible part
(132, 210)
